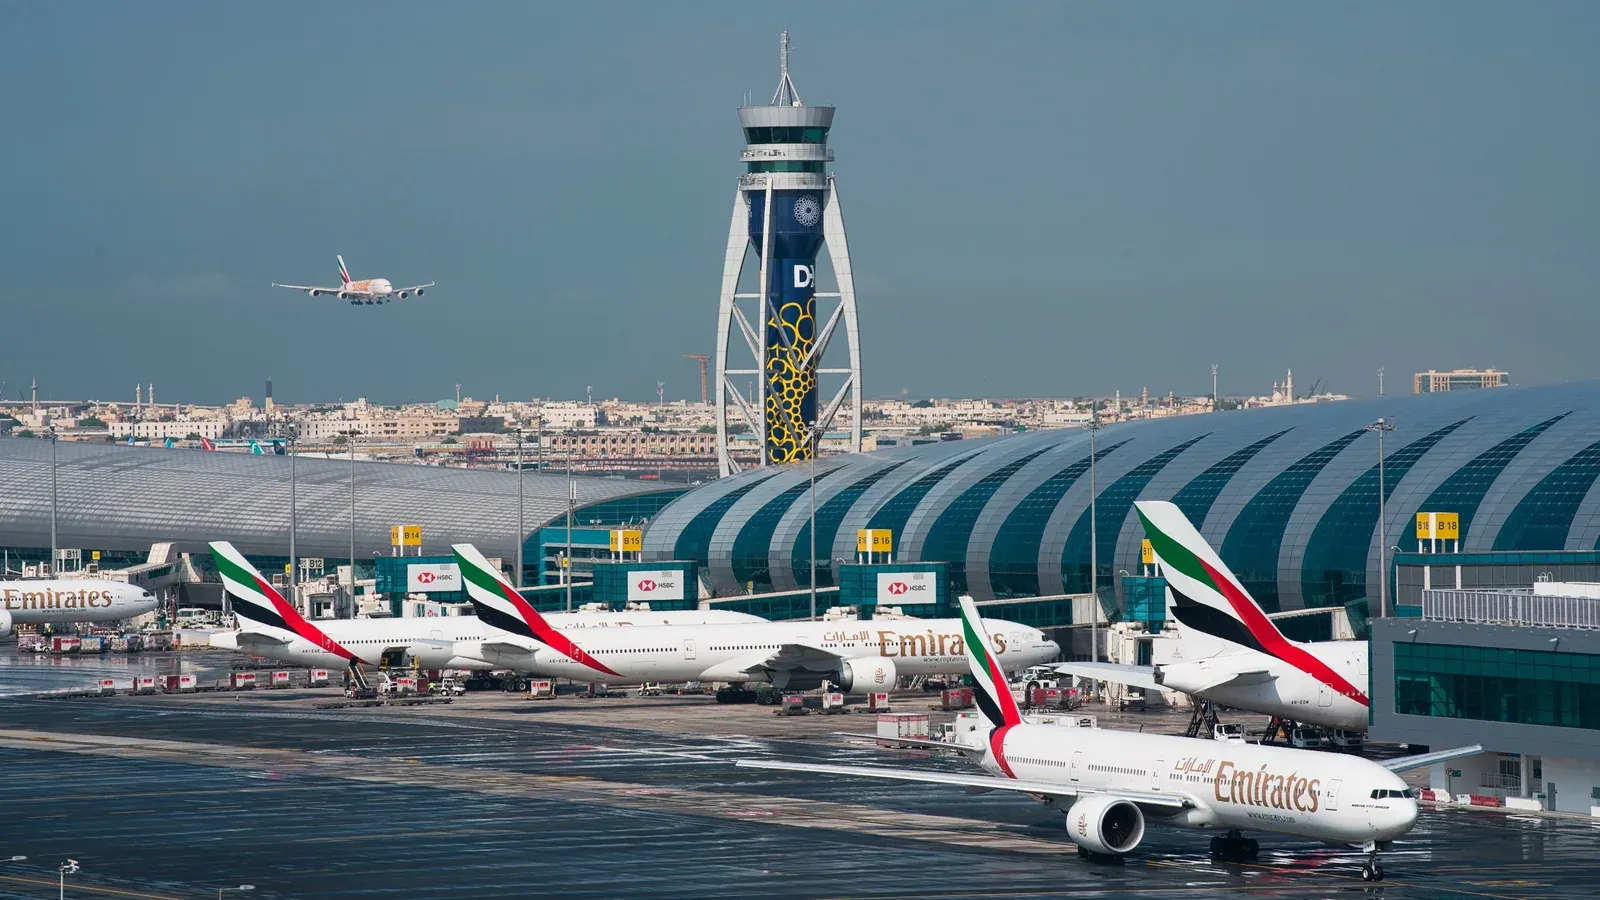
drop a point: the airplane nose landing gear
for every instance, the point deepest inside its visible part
(1371, 871)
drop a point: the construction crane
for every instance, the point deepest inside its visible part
(703, 359)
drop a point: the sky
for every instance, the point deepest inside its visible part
(1050, 199)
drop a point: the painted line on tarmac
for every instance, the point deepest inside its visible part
(79, 887)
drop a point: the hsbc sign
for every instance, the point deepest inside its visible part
(906, 587)
(432, 577)
(661, 584)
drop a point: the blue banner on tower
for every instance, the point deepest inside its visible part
(790, 315)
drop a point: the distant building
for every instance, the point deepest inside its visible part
(1431, 382)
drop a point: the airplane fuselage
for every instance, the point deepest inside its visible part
(1245, 787)
(1290, 692)
(37, 602)
(726, 652)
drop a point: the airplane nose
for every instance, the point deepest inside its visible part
(1405, 816)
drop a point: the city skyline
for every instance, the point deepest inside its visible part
(1129, 195)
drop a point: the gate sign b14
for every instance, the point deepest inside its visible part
(895, 588)
(432, 577)
(645, 585)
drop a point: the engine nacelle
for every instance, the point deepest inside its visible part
(867, 675)
(5, 622)
(343, 296)
(403, 295)
(314, 293)
(1106, 825)
(419, 292)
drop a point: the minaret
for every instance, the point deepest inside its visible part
(36, 394)
(1288, 387)
(138, 397)
(785, 210)
(151, 396)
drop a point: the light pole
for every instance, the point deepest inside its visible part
(294, 564)
(242, 887)
(813, 521)
(1380, 427)
(572, 499)
(351, 437)
(1094, 544)
(54, 550)
(70, 867)
(519, 506)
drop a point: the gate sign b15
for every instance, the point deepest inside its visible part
(645, 585)
(424, 578)
(895, 588)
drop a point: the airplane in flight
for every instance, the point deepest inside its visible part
(859, 657)
(1110, 782)
(271, 627)
(1233, 654)
(58, 601)
(369, 291)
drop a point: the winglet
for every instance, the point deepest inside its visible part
(498, 603)
(344, 273)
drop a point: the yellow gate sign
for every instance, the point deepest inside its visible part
(627, 540)
(1147, 553)
(405, 535)
(1438, 526)
(874, 540)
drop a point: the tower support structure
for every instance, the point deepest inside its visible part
(785, 211)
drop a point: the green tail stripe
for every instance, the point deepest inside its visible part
(477, 576)
(975, 641)
(233, 570)
(1173, 553)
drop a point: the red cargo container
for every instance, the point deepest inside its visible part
(65, 643)
(242, 681)
(317, 678)
(955, 698)
(106, 686)
(878, 702)
(278, 678)
(176, 684)
(144, 684)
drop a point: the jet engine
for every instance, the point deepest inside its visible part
(419, 292)
(867, 675)
(403, 295)
(1106, 825)
(5, 622)
(343, 296)
(314, 293)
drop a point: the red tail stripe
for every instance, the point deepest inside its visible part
(301, 627)
(997, 746)
(552, 637)
(1273, 640)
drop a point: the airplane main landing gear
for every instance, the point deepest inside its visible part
(1370, 870)
(1233, 845)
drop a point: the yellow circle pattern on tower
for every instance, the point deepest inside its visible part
(788, 383)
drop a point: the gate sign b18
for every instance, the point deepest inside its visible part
(895, 588)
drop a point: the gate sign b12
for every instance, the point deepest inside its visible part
(895, 588)
(423, 578)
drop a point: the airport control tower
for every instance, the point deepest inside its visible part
(785, 212)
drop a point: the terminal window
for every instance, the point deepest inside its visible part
(1493, 684)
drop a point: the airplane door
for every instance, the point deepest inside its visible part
(1332, 800)
(688, 648)
(1324, 696)
(1077, 764)
(1155, 774)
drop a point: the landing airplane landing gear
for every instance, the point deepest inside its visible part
(1233, 845)
(1371, 871)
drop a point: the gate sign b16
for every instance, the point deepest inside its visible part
(645, 585)
(895, 588)
(432, 577)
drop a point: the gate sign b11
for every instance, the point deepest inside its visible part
(645, 585)
(424, 578)
(895, 588)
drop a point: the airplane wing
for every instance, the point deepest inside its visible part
(1407, 763)
(918, 743)
(506, 647)
(1132, 676)
(254, 640)
(789, 657)
(309, 287)
(981, 782)
(413, 288)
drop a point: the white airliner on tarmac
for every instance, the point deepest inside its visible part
(1110, 782)
(1233, 654)
(270, 626)
(858, 656)
(369, 291)
(63, 601)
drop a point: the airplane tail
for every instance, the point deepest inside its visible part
(205, 444)
(1215, 615)
(498, 604)
(255, 447)
(990, 689)
(344, 273)
(258, 605)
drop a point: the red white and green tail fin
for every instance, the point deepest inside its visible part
(259, 606)
(990, 689)
(1215, 613)
(500, 605)
(344, 273)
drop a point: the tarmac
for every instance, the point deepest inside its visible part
(495, 795)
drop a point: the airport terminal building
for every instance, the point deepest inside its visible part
(1290, 498)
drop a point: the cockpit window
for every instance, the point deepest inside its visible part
(1381, 793)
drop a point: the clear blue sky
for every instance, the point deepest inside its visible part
(1043, 199)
